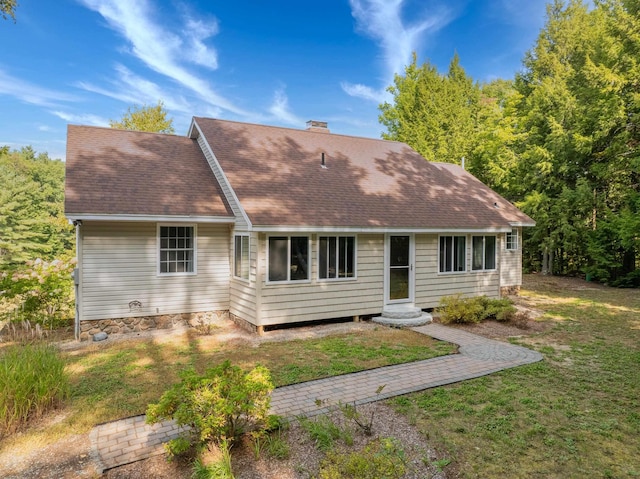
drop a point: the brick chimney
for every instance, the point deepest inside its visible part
(318, 126)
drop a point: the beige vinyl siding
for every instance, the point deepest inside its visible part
(511, 263)
(120, 264)
(224, 184)
(242, 295)
(316, 300)
(431, 285)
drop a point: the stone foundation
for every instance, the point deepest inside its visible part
(509, 291)
(146, 323)
(243, 323)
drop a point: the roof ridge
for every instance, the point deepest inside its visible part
(299, 130)
(98, 127)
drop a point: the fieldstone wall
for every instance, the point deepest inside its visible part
(243, 323)
(145, 323)
(509, 290)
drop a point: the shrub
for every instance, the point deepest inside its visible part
(499, 309)
(456, 309)
(381, 458)
(216, 407)
(32, 381)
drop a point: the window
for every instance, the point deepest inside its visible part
(336, 257)
(177, 249)
(288, 258)
(512, 240)
(241, 257)
(453, 254)
(484, 253)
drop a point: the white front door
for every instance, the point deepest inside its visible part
(399, 273)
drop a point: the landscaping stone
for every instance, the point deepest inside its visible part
(101, 336)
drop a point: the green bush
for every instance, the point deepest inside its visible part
(380, 459)
(32, 381)
(216, 407)
(456, 309)
(40, 292)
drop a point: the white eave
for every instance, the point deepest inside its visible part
(151, 218)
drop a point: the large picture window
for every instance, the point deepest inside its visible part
(177, 249)
(484, 253)
(512, 240)
(336, 257)
(288, 258)
(241, 257)
(453, 254)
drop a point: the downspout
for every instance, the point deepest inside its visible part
(76, 278)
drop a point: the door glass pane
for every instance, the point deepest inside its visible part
(398, 283)
(399, 251)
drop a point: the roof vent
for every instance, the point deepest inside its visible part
(319, 126)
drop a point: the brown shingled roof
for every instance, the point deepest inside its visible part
(277, 176)
(118, 172)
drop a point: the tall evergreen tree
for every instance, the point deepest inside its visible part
(435, 114)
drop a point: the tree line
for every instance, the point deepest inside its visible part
(561, 139)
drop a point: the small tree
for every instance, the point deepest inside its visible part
(216, 407)
(146, 118)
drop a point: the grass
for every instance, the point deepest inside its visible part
(32, 381)
(109, 382)
(575, 414)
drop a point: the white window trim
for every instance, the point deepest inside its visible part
(513, 232)
(466, 254)
(495, 254)
(244, 235)
(309, 260)
(195, 250)
(355, 258)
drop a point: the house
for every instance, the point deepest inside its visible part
(270, 226)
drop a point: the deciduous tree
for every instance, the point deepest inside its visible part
(145, 118)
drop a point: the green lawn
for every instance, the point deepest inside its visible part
(574, 415)
(114, 381)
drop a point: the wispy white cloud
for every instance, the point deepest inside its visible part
(164, 51)
(281, 111)
(382, 21)
(84, 119)
(30, 93)
(133, 89)
(197, 52)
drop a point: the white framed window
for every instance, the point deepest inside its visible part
(452, 254)
(288, 258)
(176, 249)
(483, 254)
(241, 256)
(511, 241)
(336, 257)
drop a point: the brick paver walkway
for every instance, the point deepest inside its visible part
(129, 440)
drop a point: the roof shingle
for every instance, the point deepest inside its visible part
(278, 178)
(118, 172)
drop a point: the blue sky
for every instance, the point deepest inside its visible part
(272, 62)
